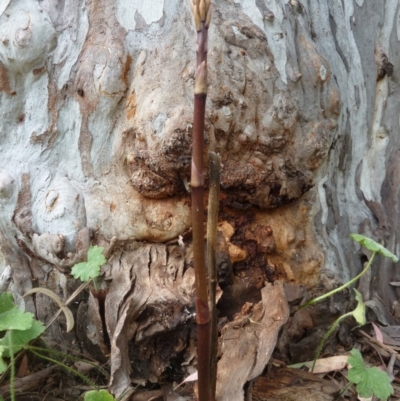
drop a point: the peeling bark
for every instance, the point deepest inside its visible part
(96, 121)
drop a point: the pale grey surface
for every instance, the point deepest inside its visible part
(95, 109)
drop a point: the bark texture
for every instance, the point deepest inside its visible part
(96, 101)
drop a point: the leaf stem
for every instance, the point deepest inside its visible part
(342, 287)
(326, 335)
(212, 220)
(66, 367)
(73, 358)
(12, 362)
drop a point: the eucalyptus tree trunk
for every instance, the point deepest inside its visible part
(96, 105)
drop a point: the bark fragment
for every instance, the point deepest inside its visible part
(247, 347)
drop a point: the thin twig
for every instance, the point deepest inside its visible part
(385, 347)
(342, 287)
(70, 299)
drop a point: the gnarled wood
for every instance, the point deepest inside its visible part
(96, 114)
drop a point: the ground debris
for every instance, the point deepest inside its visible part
(248, 341)
(292, 385)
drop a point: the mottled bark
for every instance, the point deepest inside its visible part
(96, 103)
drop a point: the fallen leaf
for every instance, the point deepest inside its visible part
(325, 365)
(190, 378)
(69, 317)
(378, 333)
(23, 367)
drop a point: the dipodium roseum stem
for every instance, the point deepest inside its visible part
(202, 13)
(212, 221)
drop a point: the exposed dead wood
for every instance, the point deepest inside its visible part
(148, 297)
(247, 343)
(96, 138)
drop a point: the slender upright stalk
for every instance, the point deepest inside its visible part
(342, 287)
(202, 14)
(212, 220)
(326, 336)
(12, 362)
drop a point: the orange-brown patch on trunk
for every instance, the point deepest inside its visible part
(131, 105)
(4, 82)
(126, 68)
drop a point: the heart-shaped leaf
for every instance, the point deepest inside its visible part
(90, 269)
(102, 395)
(373, 246)
(359, 312)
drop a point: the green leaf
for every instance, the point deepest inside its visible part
(369, 381)
(15, 340)
(357, 365)
(6, 302)
(373, 246)
(102, 395)
(95, 255)
(15, 319)
(359, 312)
(376, 383)
(3, 365)
(90, 269)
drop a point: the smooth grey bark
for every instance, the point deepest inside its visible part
(96, 111)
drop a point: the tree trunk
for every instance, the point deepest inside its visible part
(96, 106)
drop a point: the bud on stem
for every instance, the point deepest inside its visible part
(201, 10)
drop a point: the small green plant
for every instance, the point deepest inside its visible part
(101, 395)
(20, 328)
(90, 269)
(372, 246)
(369, 381)
(86, 271)
(359, 315)
(359, 311)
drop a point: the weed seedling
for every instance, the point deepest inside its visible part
(90, 269)
(359, 315)
(21, 327)
(369, 381)
(372, 246)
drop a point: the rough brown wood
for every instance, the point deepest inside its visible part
(96, 114)
(248, 342)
